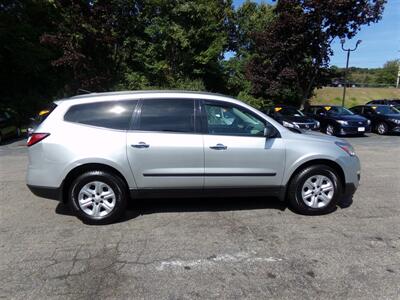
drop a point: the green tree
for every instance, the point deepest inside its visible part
(292, 57)
(249, 18)
(388, 74)
(27, 79)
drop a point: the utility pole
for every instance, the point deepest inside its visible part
(342, 41)
(398, 77)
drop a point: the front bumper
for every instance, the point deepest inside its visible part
(46, 192)
(395, 129)
(353, 130)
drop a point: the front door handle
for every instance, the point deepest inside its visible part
(140, 145)
(219, 147)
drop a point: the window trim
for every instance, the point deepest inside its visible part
(100, 102)
(134, 126)
(204, 121)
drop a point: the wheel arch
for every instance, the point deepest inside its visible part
(330, 163)
(85, 168)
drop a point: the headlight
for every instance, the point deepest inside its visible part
(369, 122)
(346, 148)
(290, 125)
(341, 122)
(317, 124)
(397, 121)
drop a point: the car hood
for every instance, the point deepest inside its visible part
(393, 116)
(297, 119)
(348, 117)
(317, 136)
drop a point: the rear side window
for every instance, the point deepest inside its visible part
(171, 115)
(113, 115)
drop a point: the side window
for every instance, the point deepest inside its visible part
(171, 115)
(230, 120)
(356, 110)
(114, 115)
(368, 110)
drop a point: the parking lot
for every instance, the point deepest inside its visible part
(212, 249)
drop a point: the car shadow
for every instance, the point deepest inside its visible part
(181, 205)
(153, 206)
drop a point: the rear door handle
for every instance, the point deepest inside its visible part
(219, 147)
(140, 145)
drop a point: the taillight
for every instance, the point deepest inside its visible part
(36, 138)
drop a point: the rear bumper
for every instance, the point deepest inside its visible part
(46, 192)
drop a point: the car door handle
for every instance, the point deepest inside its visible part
(219, 147)
(140, 145)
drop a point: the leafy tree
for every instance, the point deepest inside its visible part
(292, 56)
(26, 77)
(91, 36)
(249, 18)
(388, 74)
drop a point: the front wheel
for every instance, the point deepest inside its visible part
(330, 130)
(382, 128)
(314, 190)
(98, 197)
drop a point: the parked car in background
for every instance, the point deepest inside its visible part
(39, 118)
(99, 151)
(392, 102)
(291, 117)
(338, 120)
(384, 118)
(9, 125)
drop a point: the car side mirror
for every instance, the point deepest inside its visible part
(268, 132)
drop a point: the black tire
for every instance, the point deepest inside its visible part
(330, 130)
(294, 194)
(117, 185)
(18, 132)
(381, 128)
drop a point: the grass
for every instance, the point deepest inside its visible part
(354, 96)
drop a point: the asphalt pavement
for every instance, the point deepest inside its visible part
(208, 248)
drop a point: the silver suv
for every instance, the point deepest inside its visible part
(98, 151)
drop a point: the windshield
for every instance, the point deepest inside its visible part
(386, 110)
(288, 111)
(339, 110)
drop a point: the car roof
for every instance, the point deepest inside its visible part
(143, 95)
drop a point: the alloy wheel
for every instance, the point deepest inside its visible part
(96, 199)
(317, 191)
(330, 130)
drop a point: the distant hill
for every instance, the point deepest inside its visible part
(354, 96)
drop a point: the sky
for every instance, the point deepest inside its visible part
(380, 41)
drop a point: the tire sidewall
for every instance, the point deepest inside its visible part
(333, 130)
(299, 181)
(116, 185)
(384, 125)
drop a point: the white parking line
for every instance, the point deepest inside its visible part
(247, 257)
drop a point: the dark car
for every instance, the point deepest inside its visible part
(337, 120)
(291, 117)
(392, 102)
(39, 118)
(384, 118)
(9, 125)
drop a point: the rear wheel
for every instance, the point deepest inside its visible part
(98, 197)
(381, 128)
(314, 190)
(18, 132)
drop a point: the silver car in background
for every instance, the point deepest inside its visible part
(99, 151)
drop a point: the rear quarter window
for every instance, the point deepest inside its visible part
(113, 115)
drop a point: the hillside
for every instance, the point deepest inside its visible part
(354, 96)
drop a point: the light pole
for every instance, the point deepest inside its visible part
(342, 41)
